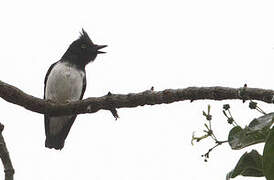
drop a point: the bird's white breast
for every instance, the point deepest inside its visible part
(64, 83)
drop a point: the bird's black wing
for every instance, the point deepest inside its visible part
(46, 121)
(46, 78)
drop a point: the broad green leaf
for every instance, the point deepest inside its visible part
(268, 156)
(250, 164)
(262, 122)
(254, 133)
(240, 138)
(233, 137)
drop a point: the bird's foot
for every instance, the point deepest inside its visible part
(68, 101)
(50, 101)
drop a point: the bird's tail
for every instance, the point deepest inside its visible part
(57, 140)
(54, 142)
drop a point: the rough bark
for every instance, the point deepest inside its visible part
(112, 101)
(4, 155)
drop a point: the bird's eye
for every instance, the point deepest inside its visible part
(83, 46)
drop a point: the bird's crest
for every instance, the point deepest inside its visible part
(84, 37)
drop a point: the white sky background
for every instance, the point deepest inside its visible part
(165, 44)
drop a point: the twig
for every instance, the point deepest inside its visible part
(4, 155)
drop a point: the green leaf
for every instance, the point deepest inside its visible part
(254, 133)
(268, 156)
(233, 137)
(239, 138)
(263, 122)
(250, 164)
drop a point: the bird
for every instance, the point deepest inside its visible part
(65, 81)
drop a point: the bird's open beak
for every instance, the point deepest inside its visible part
(98, 47)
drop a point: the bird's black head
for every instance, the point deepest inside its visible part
(82, 51)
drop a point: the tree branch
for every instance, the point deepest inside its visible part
(4, 155)
(112, 101)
